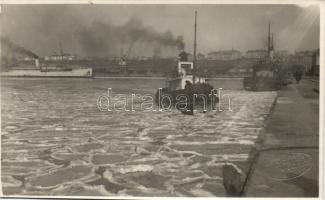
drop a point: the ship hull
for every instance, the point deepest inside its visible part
(77, 73)
(198, 97)
(261, 84)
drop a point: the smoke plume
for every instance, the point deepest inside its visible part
(106, 39)
(8, 47)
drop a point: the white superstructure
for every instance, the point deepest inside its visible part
(184, 74)
(46, 71)
(84, 72)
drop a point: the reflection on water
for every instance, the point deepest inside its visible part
(55, 141)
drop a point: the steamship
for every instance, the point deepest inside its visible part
(41, 70)
(269, 74)
(187, 91)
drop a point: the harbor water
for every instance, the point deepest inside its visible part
(55, 140)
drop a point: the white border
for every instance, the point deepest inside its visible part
(322, 76)
(321, 100)
(318, 2)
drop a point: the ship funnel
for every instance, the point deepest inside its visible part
(37, 63)
(182, 56)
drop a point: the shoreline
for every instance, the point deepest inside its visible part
(294, 150)
(155, 77)
(108, 77)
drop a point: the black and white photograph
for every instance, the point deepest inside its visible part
(162, 99)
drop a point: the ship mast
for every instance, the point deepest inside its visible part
(194, 53)
(270, 45)
(268, 41)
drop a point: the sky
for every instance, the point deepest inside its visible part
(111, 30)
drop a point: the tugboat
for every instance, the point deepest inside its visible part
(187, 91)
(268, 73)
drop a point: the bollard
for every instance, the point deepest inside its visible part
(233, 179)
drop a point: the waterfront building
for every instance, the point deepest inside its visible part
(281, 55)
(302, 58)
(60, 57)
(257, 54)
(225, 55)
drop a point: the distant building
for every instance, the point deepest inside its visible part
(240, 72)
(57, 57)
(224, 55)
(315, 63)
(281, 55)
(257, 54)
(302, 58)
(316, 58)
(144, 58)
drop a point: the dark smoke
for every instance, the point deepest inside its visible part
(9, 47)
(106, 39)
